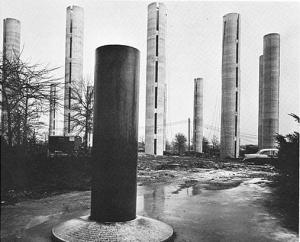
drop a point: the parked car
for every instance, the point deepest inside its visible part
(264, 155)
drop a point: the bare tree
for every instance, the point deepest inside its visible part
(25, 95)
(82, 108)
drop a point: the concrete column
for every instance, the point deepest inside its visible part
(115, 134)
(11, 38)
(52, 115)
(198, 115)
(73, 60)
(230, 114)
(155, 79)
(11, 51)
(260, 102)
(271, 72)
(165, 116)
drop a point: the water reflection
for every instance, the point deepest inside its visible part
(154, 202)
(197, 214)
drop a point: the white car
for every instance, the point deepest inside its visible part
(264, 154)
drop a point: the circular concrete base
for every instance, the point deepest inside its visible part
(139, 229)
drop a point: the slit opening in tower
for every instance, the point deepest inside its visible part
(236, 101)
(70, 71)
(237, 29)
(235, 128)
(237, 53)
(69, 97)
(155, 123)
(156, 71)
(70, 47)
(71, 26)
(157, 19)
(155, 146)
(69, 122)
(155, 98)
(156, 45)
(237, 77)
(53, 124)
(235, 155)
(224, 27)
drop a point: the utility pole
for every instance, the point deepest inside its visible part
(189, 125)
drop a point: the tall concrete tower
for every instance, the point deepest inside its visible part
(155, 79)
(73, 60)
(271, 72)
(198, 115)
(11, 50)
(11, 38)
(260, 101)
(230, 116)
(52, 114)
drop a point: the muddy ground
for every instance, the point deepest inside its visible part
(212, 172)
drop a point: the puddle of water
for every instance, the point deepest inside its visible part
(199, 214)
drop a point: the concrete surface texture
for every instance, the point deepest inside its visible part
(52, 114)
(230, 115)
(73, 59)
(271, 71)
(115, 134)
(198, 115)
(139, 229)
(11, 38)
(155, 79)
(260, 100)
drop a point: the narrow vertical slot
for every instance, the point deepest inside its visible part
(69, 122)
(156, 71)
(156, 45)
(237, 28)
(69, 97)
(237, 53)
(71, 26)
(236, 101)
(235, 128)
(237, 77)
(53, 124)
(155, 146)
(155, 98)
(235, 154)
(70, 72)
(70, 47)
(155, 123)
(157, 19)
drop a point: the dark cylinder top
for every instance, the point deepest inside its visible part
(114, 154)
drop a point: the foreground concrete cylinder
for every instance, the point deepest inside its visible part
(113, 202)
(260, 101)
(230, 115)
(198, 115)
(115, 134)
(271, 72)
(155, 79)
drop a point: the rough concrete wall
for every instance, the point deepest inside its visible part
(198, 115)
(52, 115)
(230, 116)
(260, 101)
(11, 38)
(271, 69)
(73, 57)
(151, 83)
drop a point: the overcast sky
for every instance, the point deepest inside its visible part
(193, 49)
